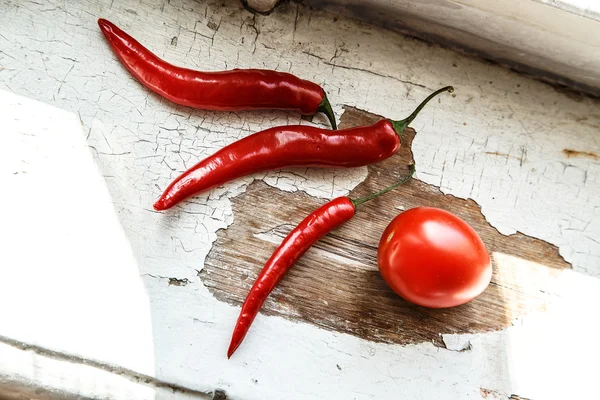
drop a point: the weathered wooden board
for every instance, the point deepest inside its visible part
(561, 46)
(100, 295)
(336, 284)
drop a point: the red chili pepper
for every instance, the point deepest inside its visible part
(296, 243)
(238, 89)
(291, 146)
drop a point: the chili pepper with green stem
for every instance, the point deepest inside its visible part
(291, 146)
(296, 243)
(233, 90)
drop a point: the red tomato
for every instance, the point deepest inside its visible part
(434, 259)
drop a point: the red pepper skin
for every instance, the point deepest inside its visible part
(284, 146)
(296, 243)
(238, 89)
(291, 146)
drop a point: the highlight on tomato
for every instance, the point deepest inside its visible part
(433, 258)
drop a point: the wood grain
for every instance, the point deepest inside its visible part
(336, 284)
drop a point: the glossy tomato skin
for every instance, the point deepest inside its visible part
(433, 258)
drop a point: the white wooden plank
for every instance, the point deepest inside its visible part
(85, 270)
(557, 39)
(32, 373)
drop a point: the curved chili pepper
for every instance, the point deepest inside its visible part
(238, 89)
(291, 146)
(296, 243)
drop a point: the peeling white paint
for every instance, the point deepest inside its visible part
(489, 143)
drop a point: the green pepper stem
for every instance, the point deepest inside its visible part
(325, 108)
(387, 189)
(400, 126)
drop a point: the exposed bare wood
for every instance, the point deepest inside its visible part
(576, 153)
(336, 284)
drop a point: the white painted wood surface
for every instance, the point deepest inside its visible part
(558, 39)
(85, 264)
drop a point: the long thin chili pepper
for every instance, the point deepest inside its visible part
(291, 146)
(296, 243)
(238, 89)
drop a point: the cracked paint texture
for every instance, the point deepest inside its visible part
(499, 141)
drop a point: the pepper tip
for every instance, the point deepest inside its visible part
(159, 205)
(230, 351)
(233, 345)
(105, 25)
